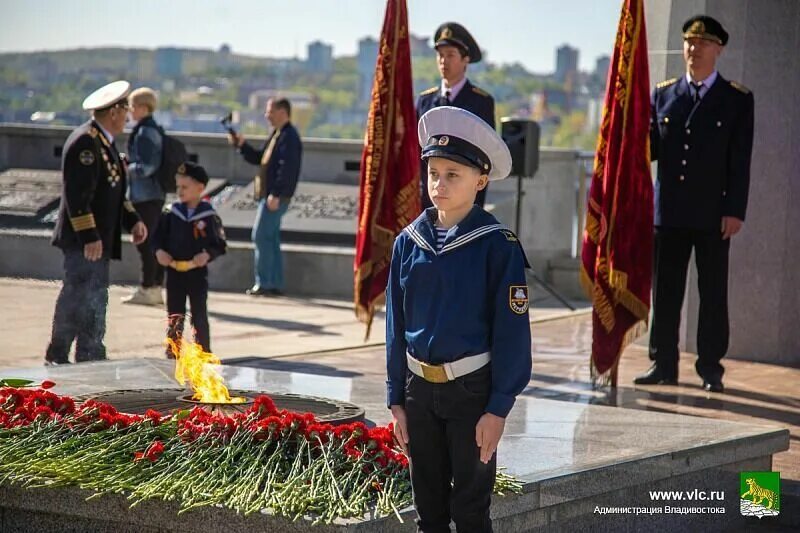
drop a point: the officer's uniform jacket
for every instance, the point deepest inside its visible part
(472, 98)
(703, 153)
(184, 236)
(468, 298)
(93, 205)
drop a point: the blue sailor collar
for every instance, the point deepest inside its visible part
(475, 225)
(203, 210)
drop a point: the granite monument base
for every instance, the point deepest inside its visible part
(584, 467)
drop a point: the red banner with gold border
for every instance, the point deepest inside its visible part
(389, 199)
(617, 252)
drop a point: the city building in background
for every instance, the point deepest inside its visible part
(331, 94)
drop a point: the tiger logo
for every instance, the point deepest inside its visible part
(759, 494)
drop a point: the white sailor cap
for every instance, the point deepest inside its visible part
(456, 134)
(107, 95)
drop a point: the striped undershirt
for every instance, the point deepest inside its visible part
(441, 233)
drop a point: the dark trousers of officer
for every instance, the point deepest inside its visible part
(152, 272)
(447, 477)
(673, 248)
(192, 284)
(80, 313)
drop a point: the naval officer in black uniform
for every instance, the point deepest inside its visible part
(702, 136)
(455, 50)
(91, 215)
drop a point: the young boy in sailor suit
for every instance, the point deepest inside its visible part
(458, 337)
(188, 236)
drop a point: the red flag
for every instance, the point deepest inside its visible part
(389, 199)
(617, 250)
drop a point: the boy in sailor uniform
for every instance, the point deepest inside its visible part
(458, 336)
(188, 237)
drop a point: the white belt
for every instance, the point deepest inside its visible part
(448, 371)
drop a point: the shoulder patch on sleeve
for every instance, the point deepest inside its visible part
(667, 83)
(86, 157)
(509, 235)
(429, 91)
(738, 86)
(478, 90)
(518, 298)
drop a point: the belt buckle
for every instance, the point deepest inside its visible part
(433, 373)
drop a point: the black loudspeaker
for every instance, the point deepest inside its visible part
(522, 138)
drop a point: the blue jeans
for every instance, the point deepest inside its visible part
(267, 239)
(80, 310)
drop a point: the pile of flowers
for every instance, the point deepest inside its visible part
(261, 460)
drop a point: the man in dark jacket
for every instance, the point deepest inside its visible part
(278, 160)
(92, 213)
(701, 133)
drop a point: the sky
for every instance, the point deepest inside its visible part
(525, 31)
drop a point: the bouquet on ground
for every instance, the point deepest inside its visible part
(261, 460)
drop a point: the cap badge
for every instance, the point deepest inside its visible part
(698, 27)
(447, 33)
(182, 169)
(444, 140)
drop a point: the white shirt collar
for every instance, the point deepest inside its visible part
(455, 89)
(106, 133)
(707, 83)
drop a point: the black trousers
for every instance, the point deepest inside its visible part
(447, 477)
(192, 284)
(80, 313)
(673, 248)
(152, 272)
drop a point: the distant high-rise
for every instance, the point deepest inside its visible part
(320, 58)
(566, 63)
(169, 62)
(367, 56)
(601, 68)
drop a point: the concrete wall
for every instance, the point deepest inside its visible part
(548, 208)
(314, 271)
(324, 160)
(764, 283)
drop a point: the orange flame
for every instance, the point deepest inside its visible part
(196, 366)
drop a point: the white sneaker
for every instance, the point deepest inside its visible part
(145, 296)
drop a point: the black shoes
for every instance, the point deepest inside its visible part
(56, 363)
(656, 376)
(258, 291)
(713, 385)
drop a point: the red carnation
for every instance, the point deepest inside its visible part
(154, 416)
(47, 384)
(154, 451)
(264, 406)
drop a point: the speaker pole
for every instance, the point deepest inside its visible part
(530, 272)
(518, 214)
